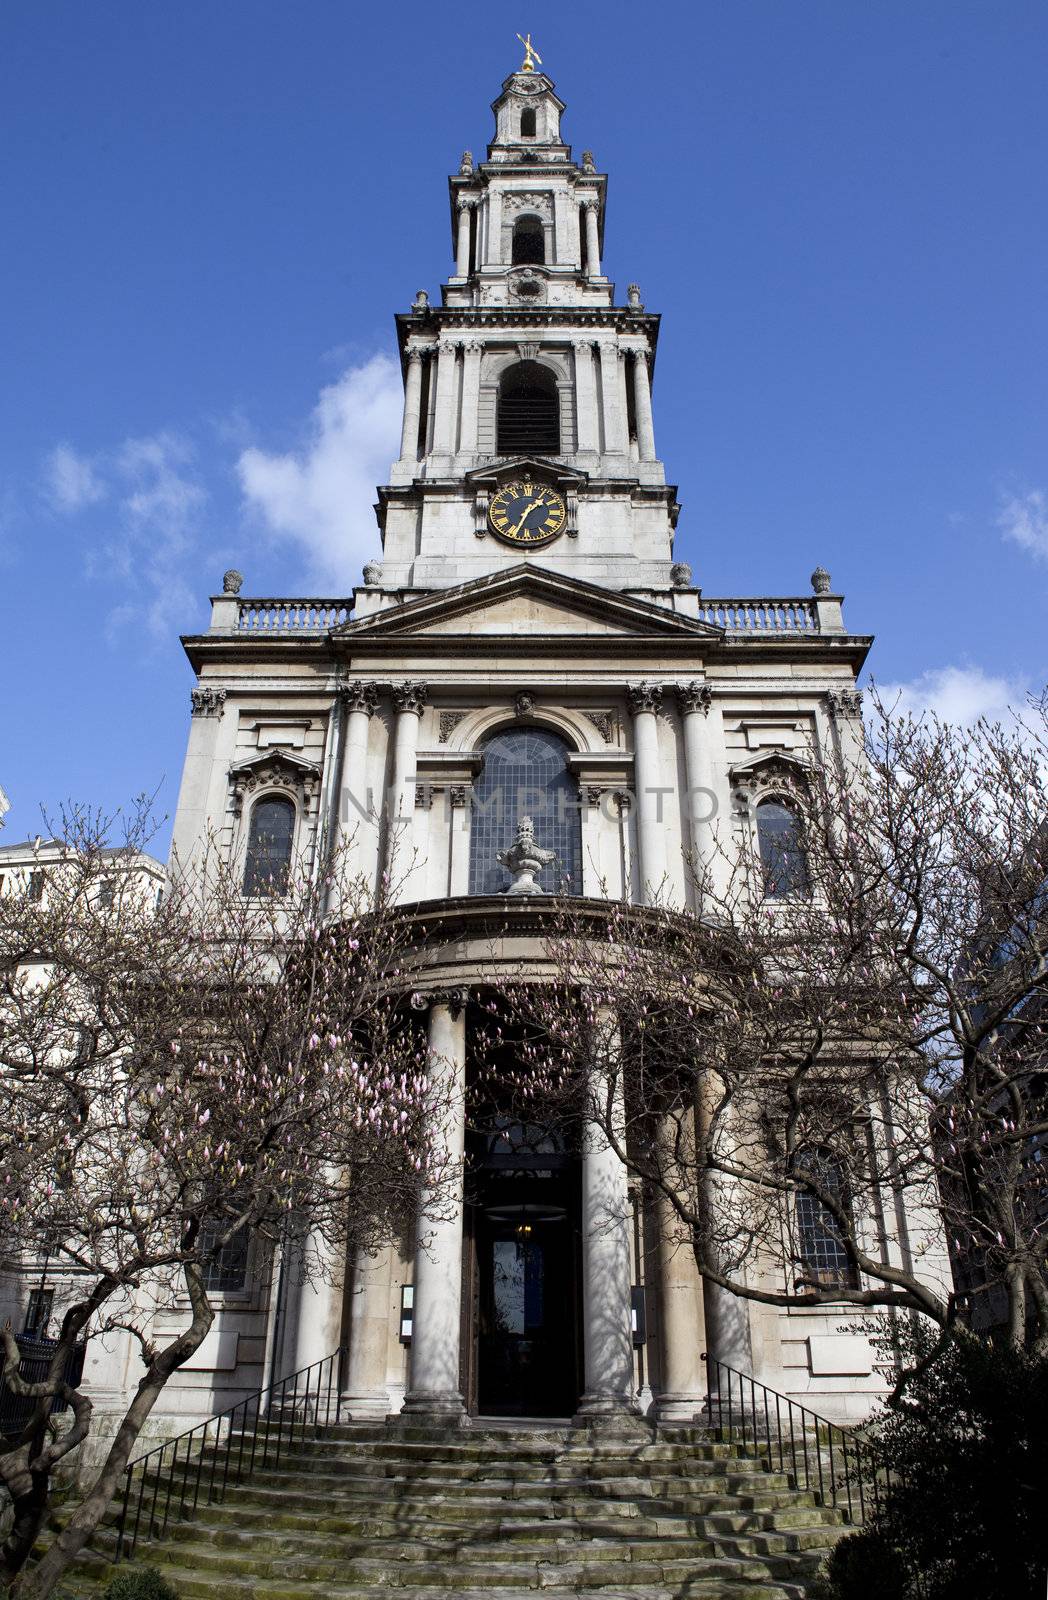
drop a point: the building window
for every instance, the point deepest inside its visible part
(528, 411)
(525, 774)
(106, 894)
(35, 890)
(782, 851)
(269, 847)
(38, 1313)
(529, 242)
(527, 123)
(820, 1247)
(225, 1269)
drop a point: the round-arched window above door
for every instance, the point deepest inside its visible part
(525, 774)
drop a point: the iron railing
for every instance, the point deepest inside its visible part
(165, 1485)
(820, 1457)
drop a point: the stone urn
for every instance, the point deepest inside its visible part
(524, 858)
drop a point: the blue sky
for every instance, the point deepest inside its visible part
(212, 212)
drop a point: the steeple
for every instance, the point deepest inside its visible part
(528, 372)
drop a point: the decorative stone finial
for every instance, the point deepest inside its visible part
(680, 575)
(421, 301)
(820, 581)
(588, 163)
(231, 581)
(523, 704)
(524, 858)
(633, 297)
(372, 572)
(466, 164)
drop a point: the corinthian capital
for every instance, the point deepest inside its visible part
(410, 696)
(207, 701)
(694, 696)
(844, 703)
(644, 697)
(359, 696)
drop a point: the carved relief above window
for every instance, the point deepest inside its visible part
(278, 770)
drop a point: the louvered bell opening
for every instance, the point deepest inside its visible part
(529, 412)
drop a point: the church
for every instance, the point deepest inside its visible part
(526, 629)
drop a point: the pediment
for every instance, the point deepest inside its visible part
(524, 466)
(523, 600)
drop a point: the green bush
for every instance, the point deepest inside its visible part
(965, 1515)
(865, 1566)
(140, 1583)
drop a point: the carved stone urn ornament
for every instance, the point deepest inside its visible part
(231, 581)
(524, 858)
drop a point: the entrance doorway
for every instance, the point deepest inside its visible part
(524, 1253)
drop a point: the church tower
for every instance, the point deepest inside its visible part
(526, 632)
(528, 377)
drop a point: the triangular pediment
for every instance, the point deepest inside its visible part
(523, 600)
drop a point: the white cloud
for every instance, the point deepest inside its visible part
(957, 694)
(161, 502)
(71, 481)
(1024, 520)
(320, 496)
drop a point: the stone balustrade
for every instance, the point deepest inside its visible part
(291, 616)
(736, 614)
(761, 615)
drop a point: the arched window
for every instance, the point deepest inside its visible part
(783, 857)
(269, 847)
(528, 411)
(820, 1248)
(525, 774)
(529, 242)
(527, 123)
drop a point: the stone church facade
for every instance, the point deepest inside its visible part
(526, 624)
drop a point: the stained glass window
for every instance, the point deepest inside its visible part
(525, 774)
(269, 847)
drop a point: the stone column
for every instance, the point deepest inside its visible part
(727, 1314)
(589, 207)
(462, 242)
(356, 835)
(586, 421)
(681, 1313)
(459, 815)
(365, 1393)
(607, 1335)
(437, 1311)
(494, 250)
(320, 1299)
(412, 406)
(645, 700)
(708, 797)
(204, 757)
(444, 415)
(409, 698)
(642, 406)
(611, 396)
(473, 351)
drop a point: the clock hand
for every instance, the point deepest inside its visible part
(528, 509)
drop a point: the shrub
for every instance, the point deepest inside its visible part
(140, 1583)
(965, 1513)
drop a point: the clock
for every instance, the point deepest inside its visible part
(526, 513)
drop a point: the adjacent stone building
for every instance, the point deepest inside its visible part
(525, 628)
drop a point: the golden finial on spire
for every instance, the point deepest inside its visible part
(531, 55)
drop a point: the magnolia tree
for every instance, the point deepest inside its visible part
(175, 1077)
(837, 1062)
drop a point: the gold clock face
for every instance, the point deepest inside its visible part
(526, 513)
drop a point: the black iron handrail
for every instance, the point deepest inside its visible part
(171, 1476)
(820, 1456)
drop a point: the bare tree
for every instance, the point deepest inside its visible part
(173, 1078)
(838, 1059)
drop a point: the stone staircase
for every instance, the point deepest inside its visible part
(495, 1510)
